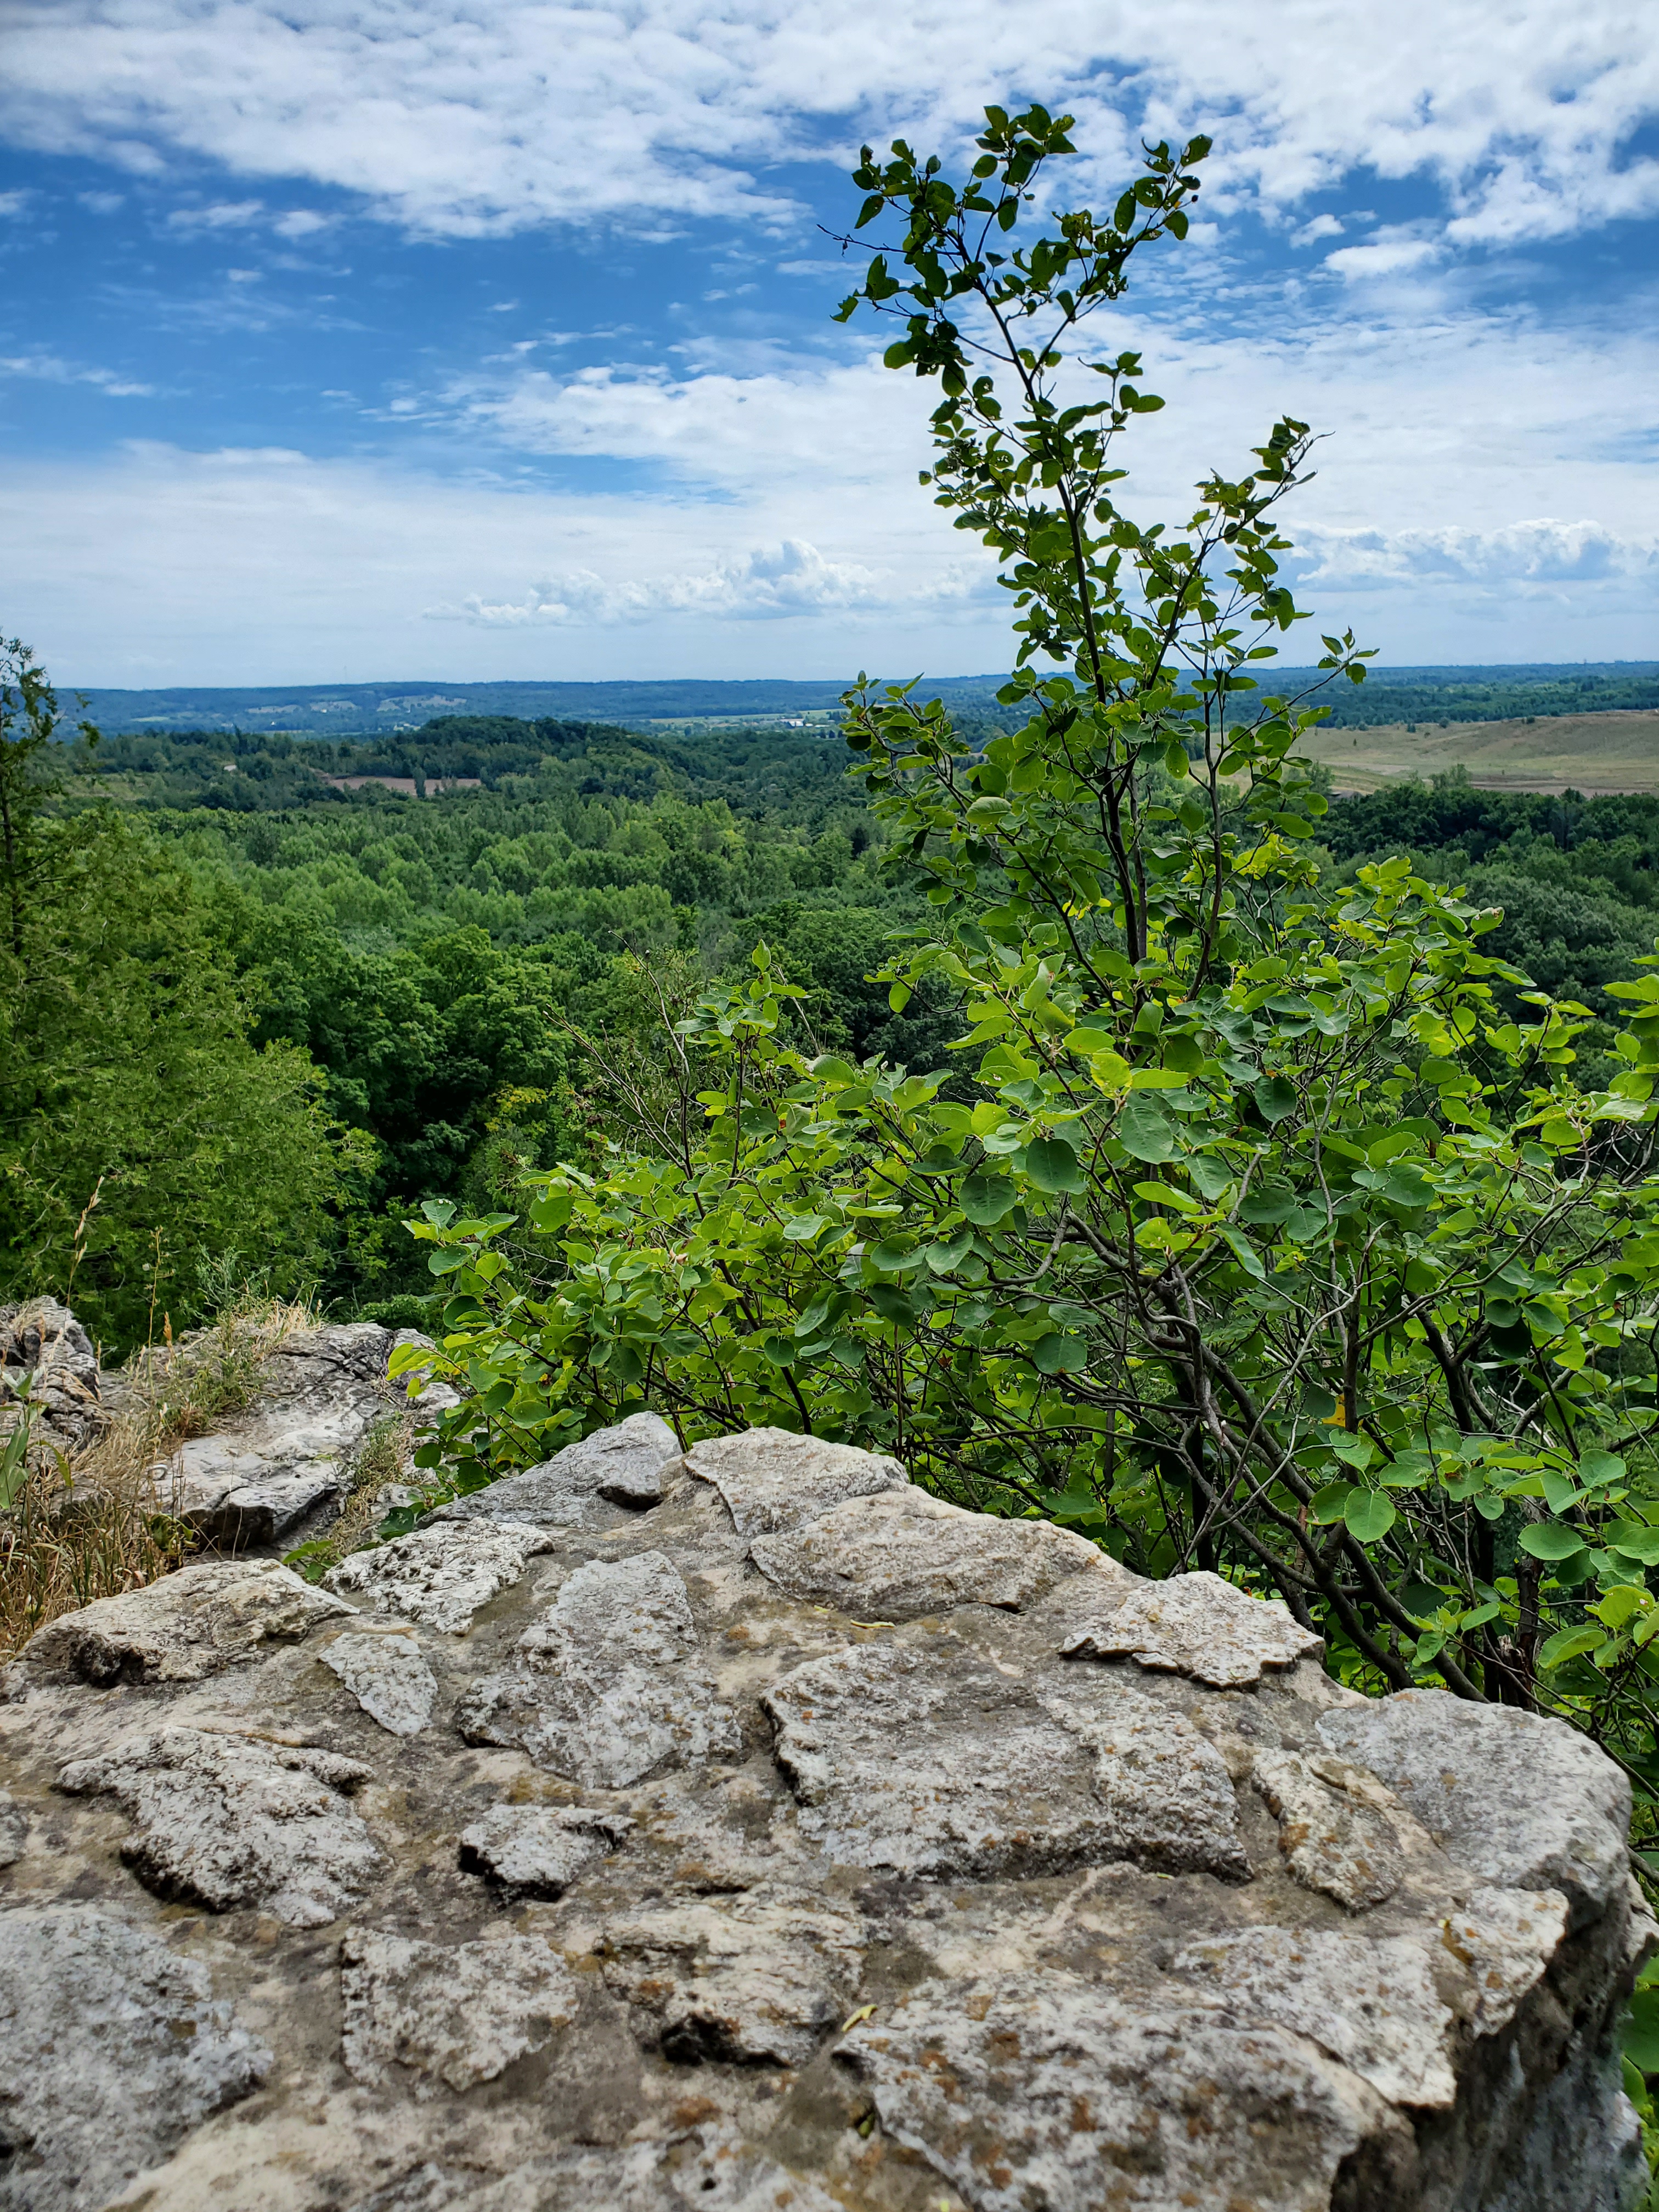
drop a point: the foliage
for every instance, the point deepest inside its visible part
(1260, 1238)
(29, 719)
(126, 1072)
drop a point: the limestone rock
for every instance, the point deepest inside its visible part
(185, 1627)
(538, 1851)
(1371, 2003)
(763, 1976)
(1333, 1839)
(112, 2047)
(1169, 1799)
(1524, 1802)
(47, 1356)
(989, 1781)
(900, 1554)
(772, 1480)
(255, 1481)
(624, 1465)
(229, 1821)
(458, 2014)
(711, 2169)
(1195, 1624)
(1504, 1938)
(388, 1678)
(440, 1576)
(1042, 2090)
(14, 1829)
(606, 1688)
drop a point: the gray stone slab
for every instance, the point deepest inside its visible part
(1332, 1838)
(111, 2048)
(624, 1465)
(227, 1820)
(1195, 1624)
(902, 1554)
(453, 2015)
(388, 1678)
(186, 1626)
(772, 1480)
(606, 1688)
(1169, 1799)
(538, 1850)
(1523, 1801)
(1042, 2090)
(440, 1576)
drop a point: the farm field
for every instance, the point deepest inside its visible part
(1615, 751)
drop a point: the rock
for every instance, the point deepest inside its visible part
(111, 2048)
(1371, 2003)
(1195, 1624)
(1169, 1798)
(765, 1976)
(272, 1468)
(1334, 1838)
(772, 1480)
(14, 1829)
(186, 1626)
(388, 1678)
(538, 1850)
(901, 1555)
(989, 1783)
(228, 1820)
(46, 1357)
(624, 1465)
(440, 1576)
(1524, 1802)
(688, 1883)
(711, 2168)
(606, 1688)
(459, 2013)
(1042, 2090)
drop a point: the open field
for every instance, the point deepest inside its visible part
(1615, 751)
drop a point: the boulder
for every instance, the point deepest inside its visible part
(751, 1831)
(49, 1362)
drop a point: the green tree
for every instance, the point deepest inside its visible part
(29, 720)
(127, 1078)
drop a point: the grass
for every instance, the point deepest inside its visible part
(1590, 753)
(94, 1526)
(382, 1458)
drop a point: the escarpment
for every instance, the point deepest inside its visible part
(744, 1828)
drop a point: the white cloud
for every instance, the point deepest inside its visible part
(222, 214)
(48, 368)
(1383, 257)
(1538, 556)
(13, 202)
(102, 203)
(439, 112)
(301, 222)
(764, 583)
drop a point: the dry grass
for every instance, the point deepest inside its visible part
(1615, 751)
(382, 1457)
(98, 1525)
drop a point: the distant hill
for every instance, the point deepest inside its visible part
(1390, 694)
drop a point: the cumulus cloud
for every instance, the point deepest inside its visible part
(1540, 556)
(456, 119)
(764, 583)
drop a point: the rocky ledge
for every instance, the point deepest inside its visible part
(745, 1828)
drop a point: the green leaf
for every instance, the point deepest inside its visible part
(1055, 1354)
(1633, 1541)
(1368, 1515)
(1144, 1131)
(803, 1227)
(1052, 1165)
(1330, 1503)
(1548, 1540)
(1569, 1644)
(986, 1198)
(1274, 1097)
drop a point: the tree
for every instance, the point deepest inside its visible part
(29, 719)
(1262, 1240)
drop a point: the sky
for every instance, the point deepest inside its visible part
(362, 339)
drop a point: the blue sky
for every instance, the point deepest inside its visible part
(348, 341)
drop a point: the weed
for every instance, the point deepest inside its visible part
(383, 1457)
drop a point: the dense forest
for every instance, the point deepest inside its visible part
(425, 970)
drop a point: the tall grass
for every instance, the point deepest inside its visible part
(96, 1525)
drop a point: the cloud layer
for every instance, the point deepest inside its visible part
(457, 120)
